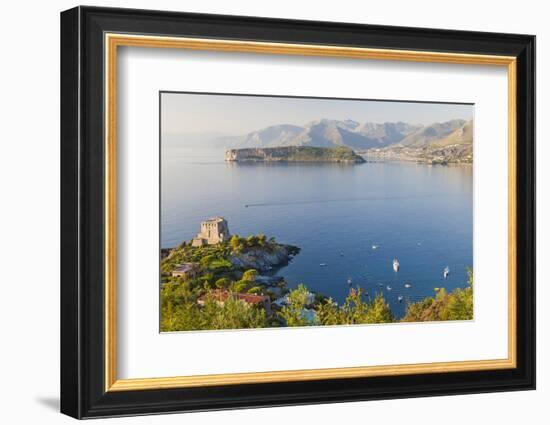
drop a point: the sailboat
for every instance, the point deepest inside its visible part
(446, 272)
(395, 265)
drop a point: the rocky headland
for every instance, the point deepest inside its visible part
(262, 259)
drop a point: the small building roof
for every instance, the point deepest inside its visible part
(222, 296)
(186, 267)
(252, 298)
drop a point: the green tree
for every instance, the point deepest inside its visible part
(240, 286)
(357, 310)
(379, 311)
(354, 310)
(456, 305)
(220, 265)
(179, 317)
(232, 314)
(294, 313)
(461, 305)
(235, 243)
(262, 240)
(419, 311)
(328, 313)
(252, 241)
(222, 283)
(205, 261)
(256, 290)
(250, 275)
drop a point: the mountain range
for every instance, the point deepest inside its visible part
(350, 133)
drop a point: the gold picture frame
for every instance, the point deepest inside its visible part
(114, 41)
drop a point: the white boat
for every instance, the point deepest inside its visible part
(407, 285)
(400, 298)
(446, 272)
(388, 288)
(349, 281)
(395, 265)
(375, 247)
(323, 264)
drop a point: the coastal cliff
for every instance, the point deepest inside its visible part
(262, 259)
(233, 256)
(340, 154)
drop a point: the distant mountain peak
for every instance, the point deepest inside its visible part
(431, 133)
(275, 135)
(326, 132)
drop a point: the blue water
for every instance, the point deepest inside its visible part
(421, 214)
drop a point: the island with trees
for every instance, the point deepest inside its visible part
(339, 154)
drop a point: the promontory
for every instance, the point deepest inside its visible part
(341, 154)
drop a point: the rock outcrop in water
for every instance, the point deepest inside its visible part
(340, 154)
(263, 259)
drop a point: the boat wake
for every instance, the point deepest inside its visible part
(328, 201)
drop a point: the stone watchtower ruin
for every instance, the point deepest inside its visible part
(213, 231)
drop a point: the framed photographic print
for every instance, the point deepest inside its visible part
(261, 212)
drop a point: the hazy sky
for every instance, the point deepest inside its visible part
(236, 115)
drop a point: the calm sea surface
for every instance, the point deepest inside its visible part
(421, 214)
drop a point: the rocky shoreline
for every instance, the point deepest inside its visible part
(262, 259)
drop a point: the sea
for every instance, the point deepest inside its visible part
(350, 221)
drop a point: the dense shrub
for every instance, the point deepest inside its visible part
(456, 305)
